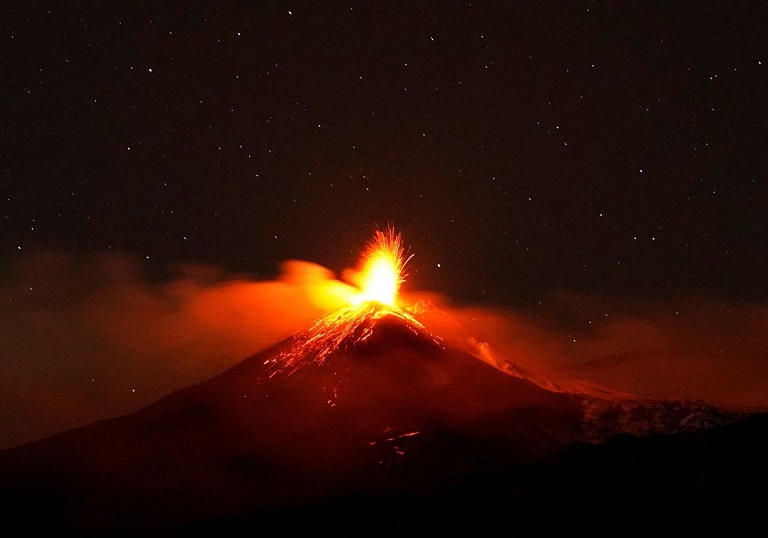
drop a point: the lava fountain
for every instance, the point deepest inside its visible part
(381, 275)
(383, 269)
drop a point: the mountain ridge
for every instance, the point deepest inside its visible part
(365, 406)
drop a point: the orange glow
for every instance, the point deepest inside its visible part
(378, 278)
(382, 273)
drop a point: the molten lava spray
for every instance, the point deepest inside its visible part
(383, 269)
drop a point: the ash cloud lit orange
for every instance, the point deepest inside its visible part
(693, 348)
(86, 338)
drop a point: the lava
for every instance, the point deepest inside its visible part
(382, 273)
(383, 268)
(338, 331)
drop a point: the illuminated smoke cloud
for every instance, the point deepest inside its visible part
(692, 348)
(84, 339)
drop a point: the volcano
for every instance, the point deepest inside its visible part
(370, 414)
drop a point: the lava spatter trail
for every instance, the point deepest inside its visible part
(339, 331)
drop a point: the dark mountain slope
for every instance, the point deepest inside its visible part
(364, 412)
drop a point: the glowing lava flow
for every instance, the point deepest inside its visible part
(380, 279)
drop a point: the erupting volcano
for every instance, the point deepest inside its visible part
(371, 411)
(382, 273)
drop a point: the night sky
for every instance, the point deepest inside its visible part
(585, 183)
(520, 147)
